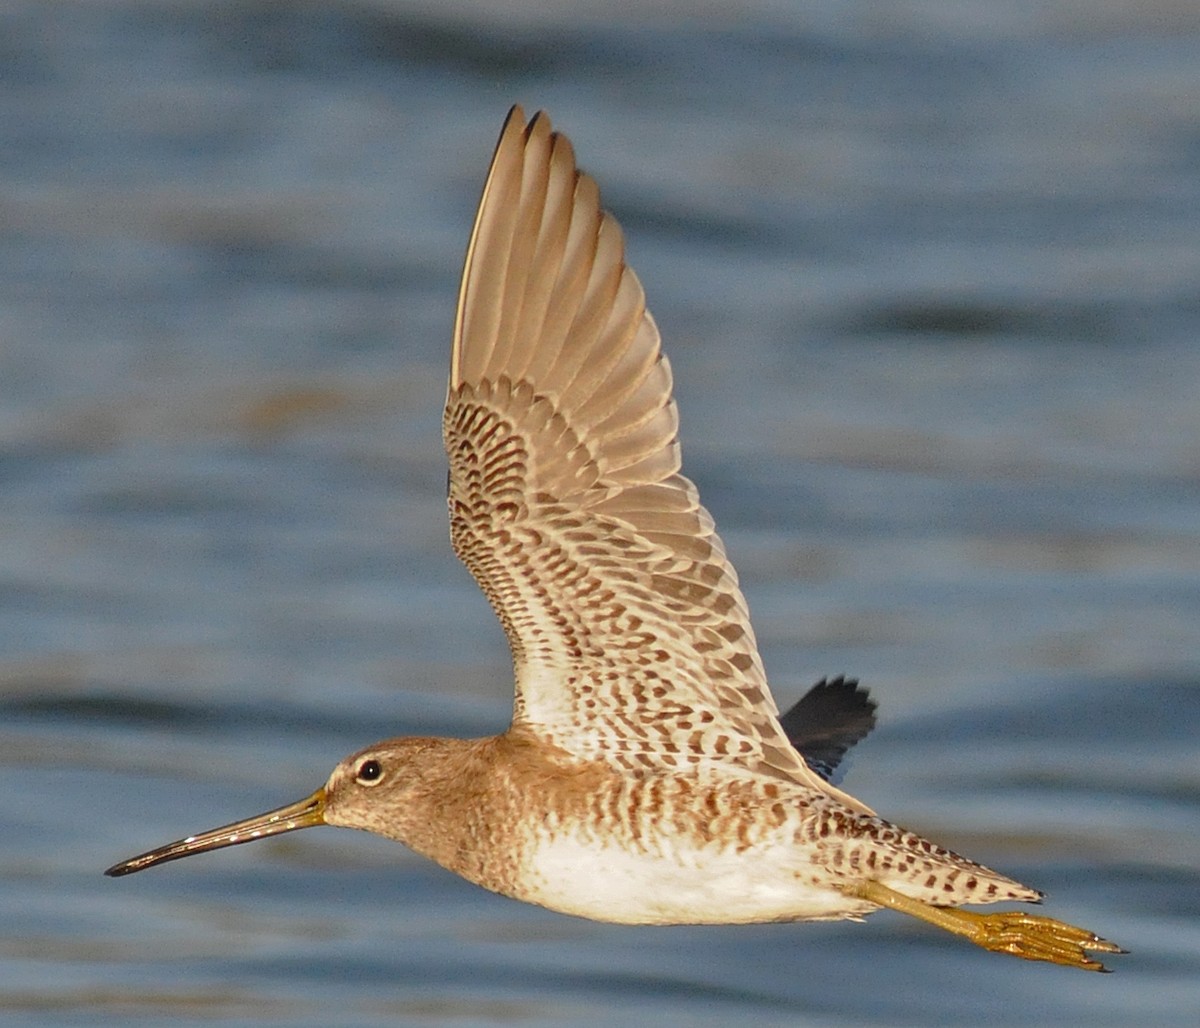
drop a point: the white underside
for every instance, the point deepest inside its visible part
(606, 882)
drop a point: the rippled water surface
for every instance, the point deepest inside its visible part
(928, 277)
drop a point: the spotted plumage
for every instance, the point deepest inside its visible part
(647, 777)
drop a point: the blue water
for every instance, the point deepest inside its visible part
(927, 275)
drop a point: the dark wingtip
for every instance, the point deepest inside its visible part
(827, 720)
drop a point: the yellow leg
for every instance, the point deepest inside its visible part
(1011, 931)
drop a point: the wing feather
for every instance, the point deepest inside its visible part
(631, 640)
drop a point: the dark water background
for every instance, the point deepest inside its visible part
(929, 276)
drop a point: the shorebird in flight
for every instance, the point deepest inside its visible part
(647, 777)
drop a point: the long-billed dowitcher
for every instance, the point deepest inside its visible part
(646, 777)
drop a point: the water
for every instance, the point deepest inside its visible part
(927, 276)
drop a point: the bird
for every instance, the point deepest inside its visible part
(647, 777)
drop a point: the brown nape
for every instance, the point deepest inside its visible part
(462, 802)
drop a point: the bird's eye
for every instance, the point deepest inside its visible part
(369, 772)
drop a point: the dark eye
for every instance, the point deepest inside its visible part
(369, 772)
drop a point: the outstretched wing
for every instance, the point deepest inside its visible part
(631, 641)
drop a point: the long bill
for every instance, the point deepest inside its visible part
(305, 814)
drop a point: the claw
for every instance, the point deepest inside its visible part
(1028, 936)
(1035, 938)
